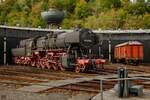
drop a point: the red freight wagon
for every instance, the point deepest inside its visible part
(129, 52)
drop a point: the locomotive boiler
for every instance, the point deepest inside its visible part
(60, 50)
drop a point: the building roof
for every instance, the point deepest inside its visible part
(129, 43)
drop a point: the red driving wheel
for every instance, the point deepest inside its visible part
(77, 69)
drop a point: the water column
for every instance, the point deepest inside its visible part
(123, 84)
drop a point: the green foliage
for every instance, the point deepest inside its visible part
(108, 4)
(58, 4)
(146, 21)
(95, 14)
(107, 20)
(36, 21)
(138, 9)
(82, 9)
(139, 22)
(69, 5)
(92, 22)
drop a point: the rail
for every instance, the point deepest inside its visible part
(118, 79)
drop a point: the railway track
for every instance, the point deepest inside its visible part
(92, 86)
(29, 69)
(33, 75)
(131, 69)
(24, 76)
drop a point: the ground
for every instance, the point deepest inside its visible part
(12, 78)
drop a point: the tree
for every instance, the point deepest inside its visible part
(69, 5)
(92, 22)
(82, 10)
(137, 9)
(133, 22)
(13, 18)
(37, 21)
(57, 4)
(45, 4)
(108, 4)
(146, 21)
(105, 14)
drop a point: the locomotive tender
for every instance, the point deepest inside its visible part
(60, 50)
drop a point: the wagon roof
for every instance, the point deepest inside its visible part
(129, 43)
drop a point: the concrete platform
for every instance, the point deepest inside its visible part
(110, 95)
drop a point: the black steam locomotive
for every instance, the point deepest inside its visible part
(59, 50)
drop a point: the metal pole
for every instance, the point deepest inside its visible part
(101, 88)
(100, 48)
(4, 50)
(99, 51)
(109, 50)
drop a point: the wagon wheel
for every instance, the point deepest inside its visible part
(102, 65)
(62, 68)
(42, 63)
(47, 65)
(38, 64)
(83, 68)
(77, 69)
(32, 63)
(127, 61)
(29, 62)
(54, 67)
(117, 60)
(42, 66)
(135, 63)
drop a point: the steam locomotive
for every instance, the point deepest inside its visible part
(60, 50)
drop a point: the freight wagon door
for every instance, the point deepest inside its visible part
(123, 52)
(141, 52)
(135, 51)
(116, 52)
(128, 52)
